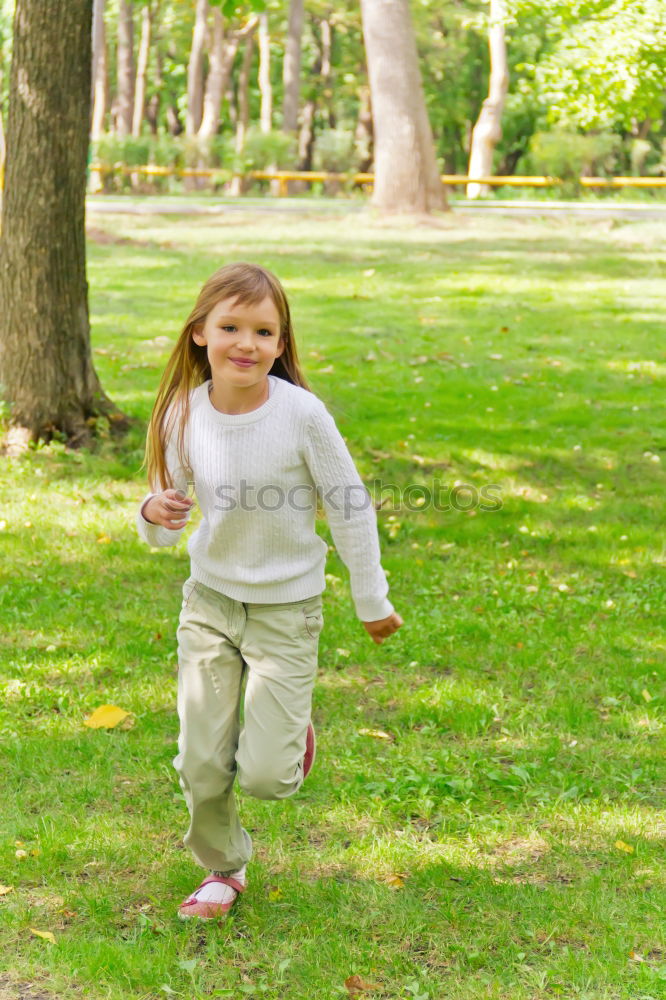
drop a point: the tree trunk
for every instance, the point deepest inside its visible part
(153, 105)
(406, 175)
(3, 148)
(306, 135)
(125, 68)
(306, 138)
(363, 134)
(141, 71)
(242, 121)
(291, 72)
(222, 54)
(98, 70)
(265, 89)
(46, 370)
(488, 129)
(326, 69)
(220, 58)
(96, 182)
(195, 70)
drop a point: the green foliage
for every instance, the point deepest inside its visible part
(334, 150)
(607, 66)
(266, 149)
(569, 155)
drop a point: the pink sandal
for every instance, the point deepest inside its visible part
(310, 750)
(192, 907)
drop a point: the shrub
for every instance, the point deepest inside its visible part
(334, 151)
(266, 149)
(570, 155)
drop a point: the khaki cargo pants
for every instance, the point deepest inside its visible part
(221, 643)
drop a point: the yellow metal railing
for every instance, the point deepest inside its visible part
(282, 177)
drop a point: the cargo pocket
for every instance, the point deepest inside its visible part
(314, 623)
(189, 593)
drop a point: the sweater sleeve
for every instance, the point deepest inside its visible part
(155, 534)
(350, 514)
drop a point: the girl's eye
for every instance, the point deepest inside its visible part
(230, 328)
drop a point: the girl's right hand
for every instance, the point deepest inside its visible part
(168, 509)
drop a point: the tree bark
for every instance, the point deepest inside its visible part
(141, 70)
(265, 88)
(306, 134)
(244, 95)
(3, 148)
(326, 69)
(46, 370)
(488, 129)
(291, 70)
(98, 70)
(243, 119)
(363, 134)
(220, 58)
(406, 175)
(222, 54)
(125, 102)
(194, 112)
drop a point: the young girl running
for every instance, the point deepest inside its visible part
(234, 418)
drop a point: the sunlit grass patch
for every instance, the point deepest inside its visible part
(458, 836)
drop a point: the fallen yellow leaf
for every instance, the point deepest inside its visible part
(47, 935)
(274, 895)
(377, 734)
(355, 984)
(396, 880)
(4, 889)
(635, 957)
(621, 846)
(105, 717)
(646, 694)
(103, 539)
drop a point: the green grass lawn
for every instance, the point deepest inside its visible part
(485, 818)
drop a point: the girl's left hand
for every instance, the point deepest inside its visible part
(382, 629)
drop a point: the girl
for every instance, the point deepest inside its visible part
(235, 419)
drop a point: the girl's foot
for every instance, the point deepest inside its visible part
(214, 897)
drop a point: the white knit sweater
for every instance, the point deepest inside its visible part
(256, 477)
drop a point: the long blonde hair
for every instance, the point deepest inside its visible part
(188, 365)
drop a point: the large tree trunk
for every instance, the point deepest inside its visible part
(291, 70)
(488, 129)
(125, 103)
(195, 70)
(2, 142)
(406, 175)
(46, 371)
(265, 89)
(141, 71)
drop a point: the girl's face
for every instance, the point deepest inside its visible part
(242, 341)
